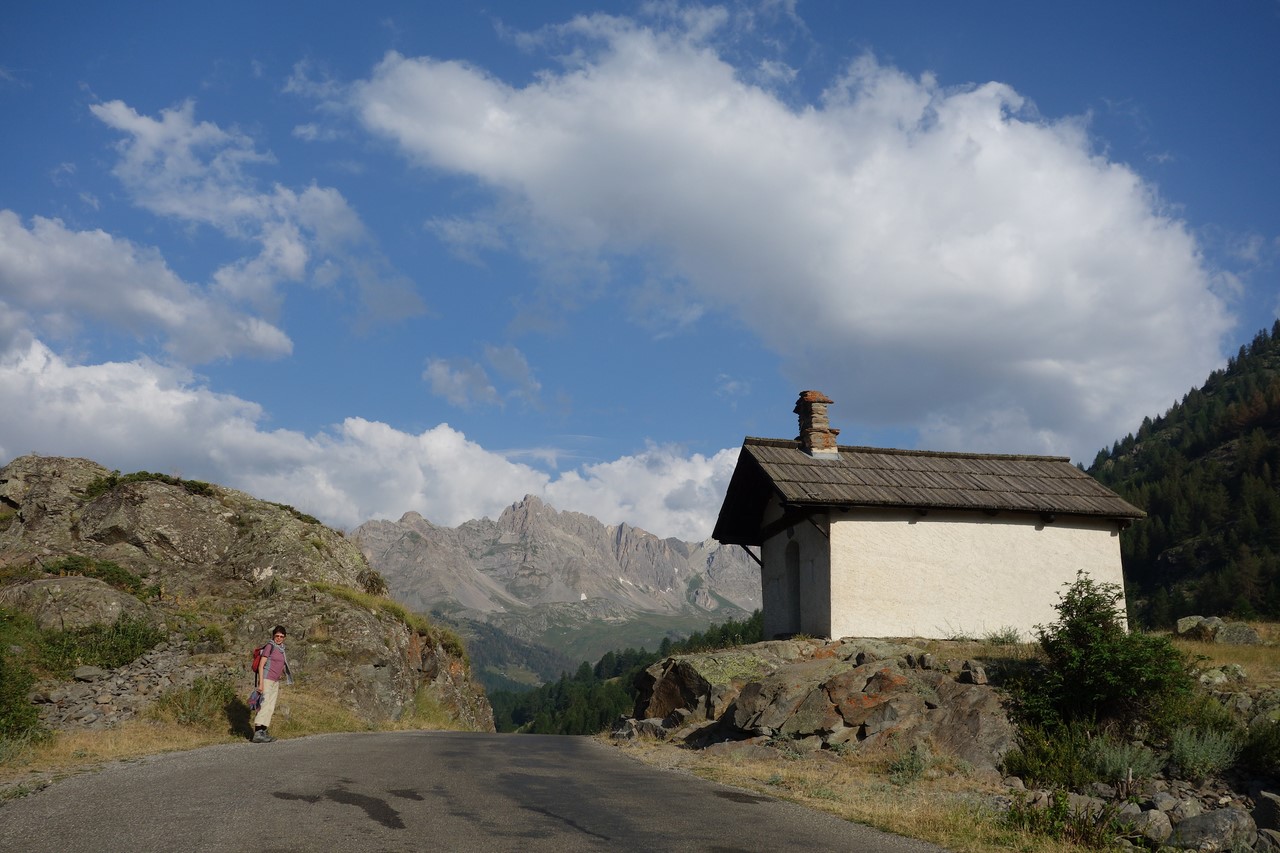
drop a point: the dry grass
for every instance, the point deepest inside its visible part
(946, 806)
(1261, 663)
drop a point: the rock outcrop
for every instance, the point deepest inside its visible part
(215, 568)
(849, 694)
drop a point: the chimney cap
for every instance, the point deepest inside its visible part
(811, 397)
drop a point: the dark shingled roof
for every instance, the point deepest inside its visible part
(879, 477)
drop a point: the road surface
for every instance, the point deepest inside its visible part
(411, 791)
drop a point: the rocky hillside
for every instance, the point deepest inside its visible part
(559, 581)
(214, 569)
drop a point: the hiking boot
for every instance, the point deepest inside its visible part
(262, 736)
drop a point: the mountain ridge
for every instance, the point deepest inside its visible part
(554, 578)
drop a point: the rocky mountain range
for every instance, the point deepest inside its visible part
(212, 569)
(539, 590)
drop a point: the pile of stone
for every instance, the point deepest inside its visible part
(1177, 814)
(97, 698)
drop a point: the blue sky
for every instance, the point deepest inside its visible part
(372, 258)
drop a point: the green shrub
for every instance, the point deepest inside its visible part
(107, 646)
(1261, 750)
(301, 516)
(101, 485)
(202, 704)
(910, 764)
(1097, 672)
(210, 636)
(1057, 820)
(104, 570)
(18, 717)
(1198, 754)
(1119, 761)
(1052, 759)
(372, 582)
(1006, 636)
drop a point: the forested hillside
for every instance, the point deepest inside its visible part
(1207, 472)
(594, 696)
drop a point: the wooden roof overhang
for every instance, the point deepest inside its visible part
(865, 477)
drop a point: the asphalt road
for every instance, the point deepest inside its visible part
(415, 791)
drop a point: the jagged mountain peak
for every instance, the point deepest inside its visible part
(540, 566)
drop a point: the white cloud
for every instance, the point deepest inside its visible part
(661, 490)
(142, 415)
(58, 278)
(465, 383)
(511, 364)
(198, 172)
(460, 381)
(931, 256)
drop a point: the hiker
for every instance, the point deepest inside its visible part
(272, 666)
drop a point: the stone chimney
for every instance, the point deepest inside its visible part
(817, 438)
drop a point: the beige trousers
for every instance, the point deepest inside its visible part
(270, 693)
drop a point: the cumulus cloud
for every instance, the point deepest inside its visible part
(143, 415)
(198, 172)
(54, 278)
(465, 383)
(460, 381)
(661, 490)
(940, 257)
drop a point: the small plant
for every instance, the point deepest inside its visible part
(208, 636)
(1261, 752)
(1121, 763)
(18, 717)
(1051, 758)
(270, 589)
(104, 570)
(910, 764)
(1058, 820)
(205, 703)
(371, 581)
(101, 485)
(301, 516)
(1198, 754)
(107, 646)
(1007, 636)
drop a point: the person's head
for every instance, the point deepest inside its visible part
(278, 633)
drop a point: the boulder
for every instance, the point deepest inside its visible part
(1237, 634)
(1153, 825)
(65, 603)
(1221, 829)
(764, 706)
(1199, 628)
(1266, 810)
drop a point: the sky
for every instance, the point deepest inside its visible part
(435, 256)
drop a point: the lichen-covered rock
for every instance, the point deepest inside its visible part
(1237, 634)
(66, 603)
(849, 693)
(1200, 628)
(1154, 825)
(1220, 829)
